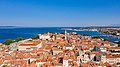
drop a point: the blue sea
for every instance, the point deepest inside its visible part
(28, 32)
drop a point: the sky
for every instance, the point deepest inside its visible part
(57, 13)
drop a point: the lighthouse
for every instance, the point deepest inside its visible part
(65, 35)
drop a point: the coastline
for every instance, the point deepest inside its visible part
(26, 32)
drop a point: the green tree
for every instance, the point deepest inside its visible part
(92, 50)
(4, 66)
(106, 39)
(84, 34)
(19, 39)
(96, 37)
(45, 32)
(35, 37)
(8, 42)
(118, 45)
(63, 33)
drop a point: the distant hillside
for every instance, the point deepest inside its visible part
(115, 25)
(6, 27)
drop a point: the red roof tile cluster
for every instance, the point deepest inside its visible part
(75, 50)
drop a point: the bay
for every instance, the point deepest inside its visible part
(28, 32)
